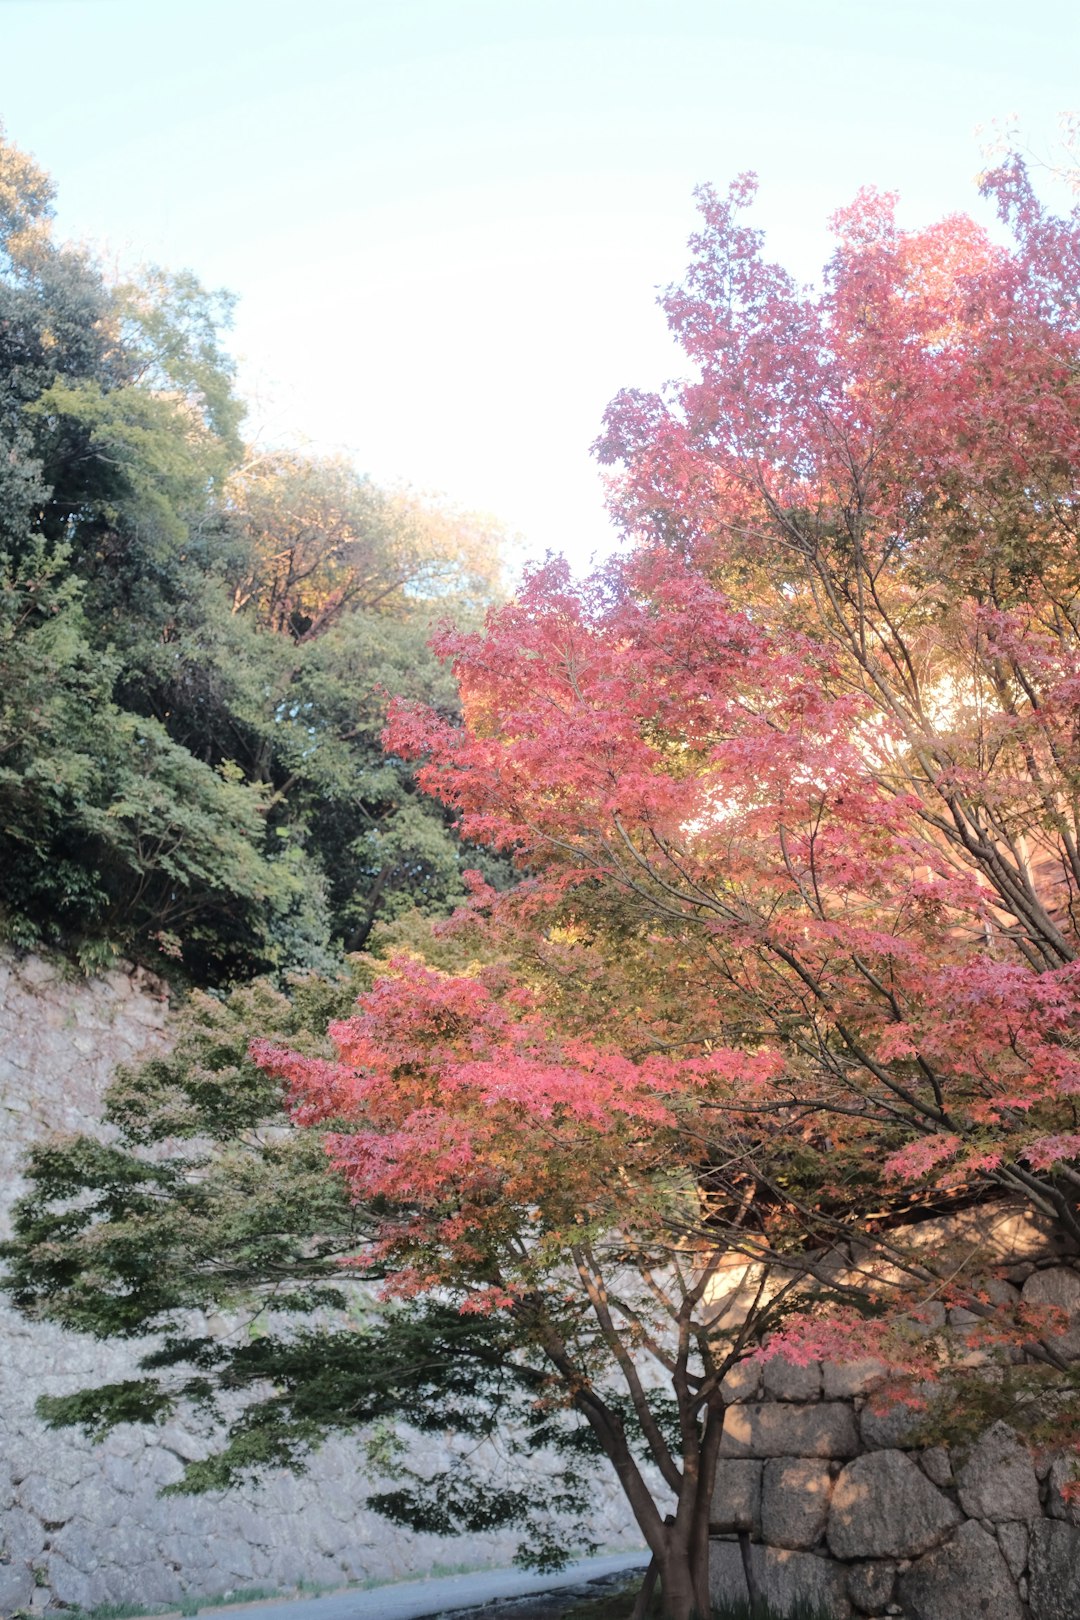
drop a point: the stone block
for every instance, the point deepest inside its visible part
(94, 1499)
(787, 1381)
(870, 1586)
(129, 1543)
(743, 1382)
(127, 1441)
(794, 1501)
(775, 1429)
(264, 1564)
(188, 1447)
(794, 1578)
(1054, 1570)
(847, 1378)
(79, 1542)
(1005, 1234)
(37, 972)
(883, 1506)
(328, 1534)
(253, 1527)
(49, 1502)
(968, 1577)
(929, 1318)
(1063, 1471)
(157, 1585)
(120, 1475)
(1054, 1285)
(1060, 1286)
(789, 1580)
(998, 1479)
(355, 1565)
(335, 1499)
(16, 1587)
(151, 1014)
(233, 1556)
(736, 1502)
(22, 1535)
(68, 1465)
(936, 1464)
(71, 1586)
(1013, 1541)
(182, 1551)
(157, 1467)
(727, 1579)
(116, 1582)
(894, 1426)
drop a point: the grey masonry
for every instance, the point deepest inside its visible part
(849, 1517)
(83, 1524)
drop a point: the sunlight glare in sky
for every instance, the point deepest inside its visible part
(446, 219)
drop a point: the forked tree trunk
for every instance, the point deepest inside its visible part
(679, 1543)
(684, 1576)
(681, 1551)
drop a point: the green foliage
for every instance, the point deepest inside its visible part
(112, 1238)
(206, 1201)
(111, 831)
(241, 1594)
(116, 1611)
(619, 1605)
(765, 1611)
(195, 644)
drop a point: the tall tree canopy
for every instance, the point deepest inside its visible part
(797, 782)
(194, 639)
(794, 785)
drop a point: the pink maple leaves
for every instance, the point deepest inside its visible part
(797, 775)
(462, 1108)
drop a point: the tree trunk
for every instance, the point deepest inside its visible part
(643, 1600)
(683, 1566)
(677, 1587)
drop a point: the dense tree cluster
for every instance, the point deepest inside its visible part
(793, 788)
(195, 639)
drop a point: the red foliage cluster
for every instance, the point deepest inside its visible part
(796, 784)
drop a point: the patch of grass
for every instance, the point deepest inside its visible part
(373, 1581)
(439, 1569)
(617, 1606)
(224, 1600)
(612, 1606)
(118, 1611)
(186, 1605)
(746, 1611)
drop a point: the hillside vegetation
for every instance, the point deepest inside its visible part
(197, 640)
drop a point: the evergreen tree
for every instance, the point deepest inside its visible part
(195, 642)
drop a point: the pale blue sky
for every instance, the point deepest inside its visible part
(445, 219)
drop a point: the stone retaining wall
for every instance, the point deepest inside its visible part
(847, 1517)
(843, 1511)
(82, 1524)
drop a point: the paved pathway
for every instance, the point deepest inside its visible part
(415, 1600)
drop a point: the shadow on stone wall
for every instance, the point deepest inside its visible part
(848, 1517)
(82, 1524)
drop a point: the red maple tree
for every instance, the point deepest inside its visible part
(796, 783)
